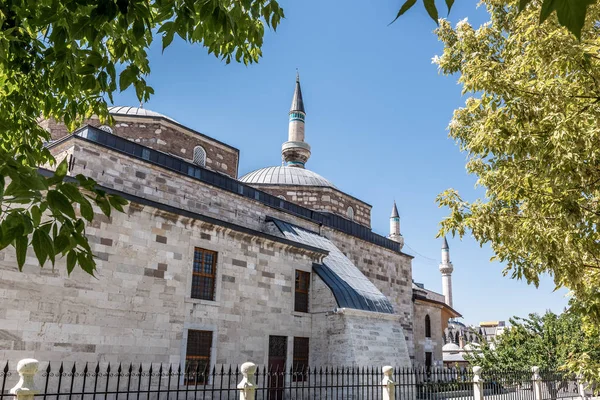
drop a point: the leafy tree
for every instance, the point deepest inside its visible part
(571, 13)
(548, 341)
(551, 342)
(531, 131)
(60, 59)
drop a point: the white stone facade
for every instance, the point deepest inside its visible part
(139, 308)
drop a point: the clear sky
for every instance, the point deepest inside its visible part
(377, 112)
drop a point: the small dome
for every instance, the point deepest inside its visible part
(451, 347)
(285, 176)
(136, 111)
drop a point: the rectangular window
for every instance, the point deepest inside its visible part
(204, 274)
(197, 357)
(302, 285)
(300, 364)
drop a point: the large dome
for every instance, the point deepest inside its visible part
(136, 111)
(285, 176)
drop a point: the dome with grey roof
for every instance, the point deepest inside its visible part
(285, 176)
(136, 111)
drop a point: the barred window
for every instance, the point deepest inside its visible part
(204, 274)
(199, 156)
(427, 326)
(197, 357)
(350, 213)
(300, 364)
(302, 286)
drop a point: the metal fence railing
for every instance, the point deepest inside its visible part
(58, 381)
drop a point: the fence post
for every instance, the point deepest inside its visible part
(537, 383)
(388, 383)
(477, 383)
(581, 387)
(247, 386)
(25, 388)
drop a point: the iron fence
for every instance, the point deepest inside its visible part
(558, 385)
(158, 381)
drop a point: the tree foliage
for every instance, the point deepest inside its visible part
(548, 341)
(531, 131)
(60, 59)
(570, 13)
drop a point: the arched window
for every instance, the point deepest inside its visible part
(199, 156)
(427, 326)
(105, 128)
(350, 213)
(282, 197)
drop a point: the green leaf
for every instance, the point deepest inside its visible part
(71, 260)
(431, 9)
(40, 246)
(547, 7)
(127, 77)
(138, 29)
(86, 210)
(61, 244)
(72, 192)
(58, 202)
(405, 7)
(571, 14)
(523, 4)
(450, 3)
(86, 263)
(104, 205)
(21, 250)
(36, 215)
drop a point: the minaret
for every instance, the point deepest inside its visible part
(395, 227)
(296, 151)
(446, 269)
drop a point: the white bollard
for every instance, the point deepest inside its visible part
(25, 389)
(389, 387)
(537, 383)
(247, 386)
(477, 383)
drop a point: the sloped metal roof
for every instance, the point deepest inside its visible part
(350, 287)
(284, 175)
(297, 102)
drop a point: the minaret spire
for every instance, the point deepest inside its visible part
(296, 151)
(446, 269)
(395, 227)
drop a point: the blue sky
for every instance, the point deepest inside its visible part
(377, 112)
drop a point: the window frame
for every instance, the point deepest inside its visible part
(350, 213)
(208, 359)
(203, 275)
(201, 149)
(300, 374)
(301, 292)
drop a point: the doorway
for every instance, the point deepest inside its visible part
(277, 362)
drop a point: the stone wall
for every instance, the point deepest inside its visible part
(390, 271)
(166, 136)
(422, 343)
(360, 338)
(139, 307)
(324, 199)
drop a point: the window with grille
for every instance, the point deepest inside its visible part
(197, 357)
(427, 326)
(199, 156)
(204, 274)
(302, 286)
(350, 213)
(300, 362)
(106, 128)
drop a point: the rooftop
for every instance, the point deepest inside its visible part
(285, 176)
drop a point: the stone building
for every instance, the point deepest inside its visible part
(433, 315)
(278, 267)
